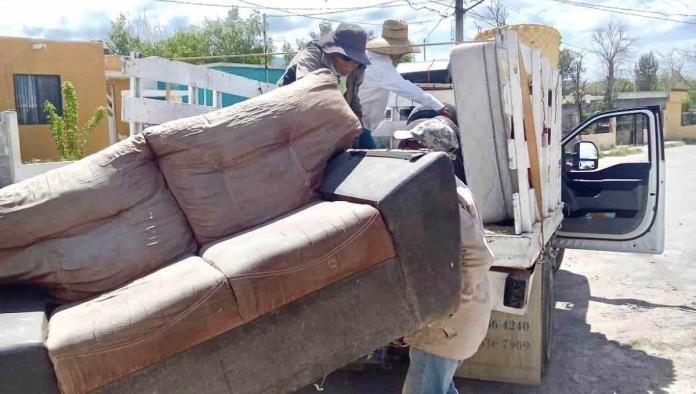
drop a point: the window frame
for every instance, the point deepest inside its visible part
(42, 119)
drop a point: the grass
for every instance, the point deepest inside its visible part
(619, 151)
(625, 150)
(674, 144)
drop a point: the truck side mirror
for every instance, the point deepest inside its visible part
(586, 156)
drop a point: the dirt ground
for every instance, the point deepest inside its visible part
(624, 323)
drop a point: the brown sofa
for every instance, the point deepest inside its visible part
(220, 253)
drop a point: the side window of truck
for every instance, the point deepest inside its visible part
(609, 141)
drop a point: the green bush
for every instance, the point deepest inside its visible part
(70, 138)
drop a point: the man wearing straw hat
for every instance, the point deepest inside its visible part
(381, 76)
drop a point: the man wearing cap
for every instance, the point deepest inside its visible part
(438, 349)
(381, 76)
(343, 53)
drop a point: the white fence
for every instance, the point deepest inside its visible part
(138, 110)
(12, 170)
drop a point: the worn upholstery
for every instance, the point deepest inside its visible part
(276, 263)
(91, 226)
(238, 167)
(176, 307)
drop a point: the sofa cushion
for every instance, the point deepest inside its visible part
(242, 165)
(174, 308)
(91, 226)
(307, 249)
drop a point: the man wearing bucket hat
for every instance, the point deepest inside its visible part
(438, 349)
(342, 52)
(381, 76)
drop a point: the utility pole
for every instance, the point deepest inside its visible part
(265, 48)
(459, 12)
(459, 21)
(424, 49)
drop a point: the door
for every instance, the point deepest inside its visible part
(613, 183)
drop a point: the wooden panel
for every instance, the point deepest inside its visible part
(159, 69)
(150, 111)
(511, 50)
(531, 135)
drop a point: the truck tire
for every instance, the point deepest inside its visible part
(548, 302)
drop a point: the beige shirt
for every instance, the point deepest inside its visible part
(459, 336)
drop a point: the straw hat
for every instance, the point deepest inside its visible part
(394, 40)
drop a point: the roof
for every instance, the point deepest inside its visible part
(430, 65)
(641, 95)
(42, 40)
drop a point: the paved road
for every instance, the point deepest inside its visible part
(624, 323)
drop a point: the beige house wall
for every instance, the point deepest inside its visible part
(604, 141)
(81, 63)
(673, 128)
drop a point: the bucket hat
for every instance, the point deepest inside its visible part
(349, 40)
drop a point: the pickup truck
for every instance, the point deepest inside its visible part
(591, 200)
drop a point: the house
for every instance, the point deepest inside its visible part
(669, 101)
(32, 71)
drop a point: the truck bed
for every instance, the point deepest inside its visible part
(522, 250)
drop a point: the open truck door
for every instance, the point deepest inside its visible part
(613, 183)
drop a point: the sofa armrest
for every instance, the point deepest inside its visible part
(24, 363)
(416, 196)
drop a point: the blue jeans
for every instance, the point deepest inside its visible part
(430, 374)
(365, 141)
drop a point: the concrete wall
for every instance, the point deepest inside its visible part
(604, 141)
(673, 128)
(12, 170)
(81, 63)
(6, 159)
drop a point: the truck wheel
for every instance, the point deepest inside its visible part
(548, 302)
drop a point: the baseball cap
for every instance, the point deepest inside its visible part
(432, 134)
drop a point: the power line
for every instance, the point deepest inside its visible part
(646, 11)
(289, 11)
(617, 11)
(439, 20)
(331, 9)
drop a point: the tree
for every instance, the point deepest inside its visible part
(287, 55)
(645, 72)
(612, 45)
(672, 72)
(624, 85)
(495, 15)
(565, 69)
(232, 35)
(324, 29)
(70, 138)
(121, 40)
(572, 72)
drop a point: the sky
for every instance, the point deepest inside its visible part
(428, 20)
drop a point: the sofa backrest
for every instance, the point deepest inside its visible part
(91, 226)
(243, 165)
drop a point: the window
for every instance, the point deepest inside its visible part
(31, 91)
(617, 139)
